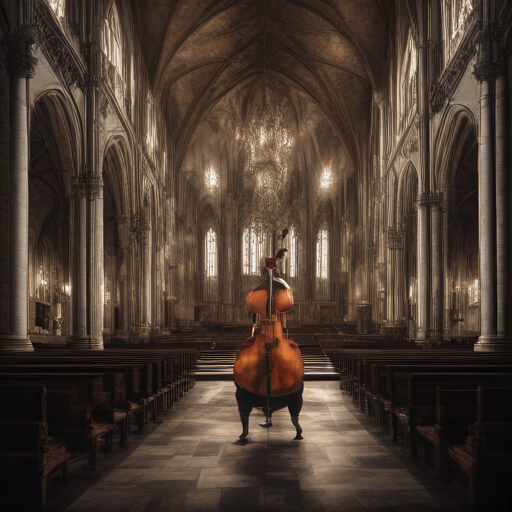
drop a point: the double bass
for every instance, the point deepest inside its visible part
(268, 369)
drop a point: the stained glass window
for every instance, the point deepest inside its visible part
(255, 246)
(57, 7)
(112, 43)
(322, 256)
(211, 253)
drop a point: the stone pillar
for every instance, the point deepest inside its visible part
(227, 279)
(135, 280)
(123, 235)
(436, 213)
(446, 271)
(400, 278)
(88, 271)
(489, 65)
(393, 279)
(97, 272)
(502, 209)
(423, 266)
(145, 238)
(78, 229)
(423, 232)
(19, 64)
(92, 222)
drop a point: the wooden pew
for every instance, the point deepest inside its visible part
(29, 457)
(114, 383)
(395, 398)
(486, 457)
(422, 395)
(74, 400)
(156, 380)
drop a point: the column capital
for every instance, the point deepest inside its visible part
(490, 56)
(433, 200)
(87, 184)
(19, 61)
(436, 201)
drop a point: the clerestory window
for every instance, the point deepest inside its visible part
(210, 251)
(57, 7)
(112, 42)
(322, 256)
(255, 248)
(293, 253)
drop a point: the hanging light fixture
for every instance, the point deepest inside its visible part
(268, 143)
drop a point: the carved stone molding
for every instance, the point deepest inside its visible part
(105, 107)
(56, 47)
(436, 201)
(92, 80)
(433, 200)
(490, 58)
(86, 184)
(19, 61)
(452, 76)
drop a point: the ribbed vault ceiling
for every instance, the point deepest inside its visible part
(330, 52)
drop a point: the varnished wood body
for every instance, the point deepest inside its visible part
(287, 366)
(257, 300)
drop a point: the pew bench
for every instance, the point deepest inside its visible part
(29, 457)
(75, 409)
(486, 456)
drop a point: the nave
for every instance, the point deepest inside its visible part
(192, 462)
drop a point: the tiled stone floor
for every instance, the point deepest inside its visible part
(193, 462)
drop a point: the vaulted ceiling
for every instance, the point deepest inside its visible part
(329, 52)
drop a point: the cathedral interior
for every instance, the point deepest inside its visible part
(154, 155)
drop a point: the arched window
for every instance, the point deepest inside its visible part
(211, 269)
(293, 253)
(455, 15)
(210, 253)
(255, 248)
(57, 7)
(112, 42)
(151, 140)
(322, 253)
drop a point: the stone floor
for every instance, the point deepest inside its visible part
(193, 462)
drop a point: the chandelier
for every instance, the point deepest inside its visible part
(268, 144)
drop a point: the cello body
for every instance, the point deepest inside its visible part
(268, 367)
(287, 366)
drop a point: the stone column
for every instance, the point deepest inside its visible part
(446, 271)
(135, 279)
(97, 272)
(391, 289)
(227, 279)
(88, 271)
(13, 278)
(423, 267)
(502, 208)
(423, 232)
(92, 223)
(400, 278)
(436, 217)
(485, 71)
(78, 229)
(123, 235)
(146, 265)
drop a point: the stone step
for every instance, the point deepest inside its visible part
(218, 365)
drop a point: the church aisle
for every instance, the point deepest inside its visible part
(191, 462)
